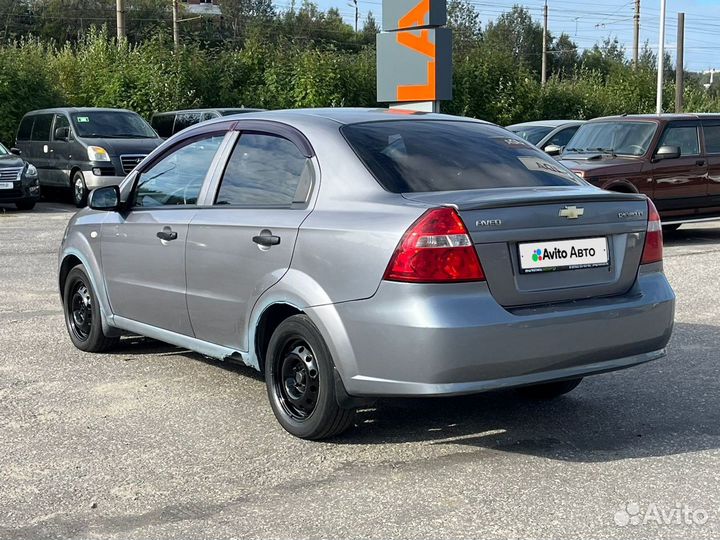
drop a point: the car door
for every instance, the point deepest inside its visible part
(40, 149)
(143, 248)
(242, 244)
(59, 155)
(681, 184)
(711, 129)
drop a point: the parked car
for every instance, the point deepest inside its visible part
(84, 148)
(169, 123)
(550, 136)
(353, 253)
(673, 159)
(18, 181)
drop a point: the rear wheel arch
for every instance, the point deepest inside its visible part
(268, 322)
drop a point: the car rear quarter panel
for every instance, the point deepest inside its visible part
(346, 243)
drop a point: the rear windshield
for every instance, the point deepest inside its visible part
(111, 125)
(414, 156)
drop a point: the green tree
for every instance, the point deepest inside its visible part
(516, 33)
(564, 56)
(464, 20)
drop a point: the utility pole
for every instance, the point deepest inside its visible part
(545, 46)
(120, 8)
(357, 14)
(636, 36)
(176, 23)
(680, 73)
(661, 58)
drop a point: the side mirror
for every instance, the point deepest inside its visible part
(553, 150)
(667, 152)
(105, 198)
(62, 133)
(15, 151)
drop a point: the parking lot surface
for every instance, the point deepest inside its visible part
(155, 442)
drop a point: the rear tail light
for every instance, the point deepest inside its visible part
(436, 249)
(653, 250)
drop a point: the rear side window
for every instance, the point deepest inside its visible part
(163, 124)
(264, 170)
(686, 137)
(712, 139)
(25, 129)
(408, 156)
(41, 128)
(185, 120)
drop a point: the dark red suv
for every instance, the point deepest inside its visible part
(674, 159)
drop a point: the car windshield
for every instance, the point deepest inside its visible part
(533, 134)
(112, 125)
(617, 138)
(431, 155)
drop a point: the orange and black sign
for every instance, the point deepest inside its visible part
(414, 52)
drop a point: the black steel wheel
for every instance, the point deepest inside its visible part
(83, 317)
(300, 379)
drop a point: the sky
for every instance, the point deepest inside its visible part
(590, 22)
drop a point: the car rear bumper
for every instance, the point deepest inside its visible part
(412, 340)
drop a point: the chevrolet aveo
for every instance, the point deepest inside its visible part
(351, 254)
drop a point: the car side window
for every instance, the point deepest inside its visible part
(61, 121)
(563, 137)
(686, 137)
(712, 139)
(178, 177)
(265, 170)
(41, 128)
(163, 124)
(185, 120)
(25, 129)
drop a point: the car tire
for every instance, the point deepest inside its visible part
(550, 390)
(79, 189)
(25, 205)
(82, 313)
(300, 379)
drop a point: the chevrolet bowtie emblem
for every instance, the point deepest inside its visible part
(572, 212)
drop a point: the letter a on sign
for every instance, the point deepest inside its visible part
(415, 57)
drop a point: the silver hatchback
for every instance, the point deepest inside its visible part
(351, 254)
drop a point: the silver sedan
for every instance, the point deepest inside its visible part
(351, 254)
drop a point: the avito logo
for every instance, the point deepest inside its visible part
(560, 254)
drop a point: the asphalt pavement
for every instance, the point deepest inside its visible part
(153, 442)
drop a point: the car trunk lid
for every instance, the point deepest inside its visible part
(502, 221)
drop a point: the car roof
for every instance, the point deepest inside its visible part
(343, 116)
(546, 123)
(77, 110)
(658, 118)
(209, 109)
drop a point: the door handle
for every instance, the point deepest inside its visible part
(266, 240)
(167, 235)
(700, 163)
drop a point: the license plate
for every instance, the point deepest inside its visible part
(6, 185)
(564, 255)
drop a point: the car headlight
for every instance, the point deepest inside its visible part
(30, 171)
(97, 153)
